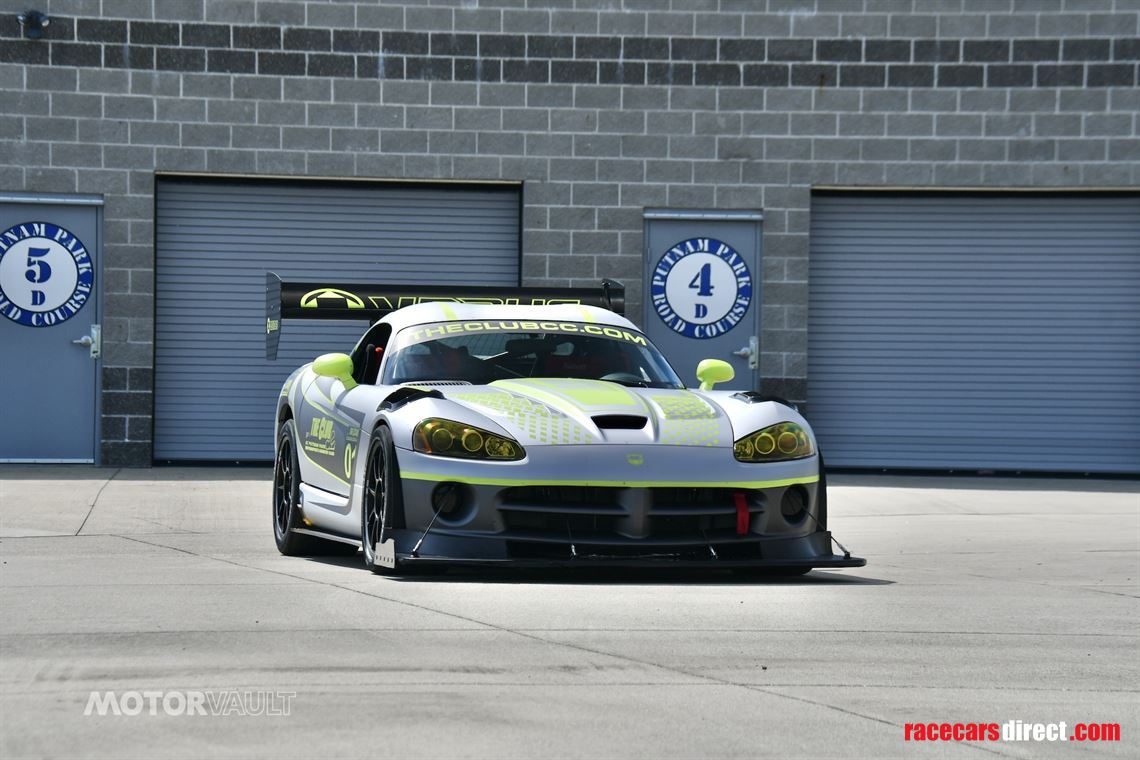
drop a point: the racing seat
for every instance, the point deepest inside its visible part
(372, 356)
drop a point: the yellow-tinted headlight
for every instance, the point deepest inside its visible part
(776, 443)
(454, 439)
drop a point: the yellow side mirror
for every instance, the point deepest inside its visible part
(335, 365)
(713, 371)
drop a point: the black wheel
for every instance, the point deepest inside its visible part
(286, 498)
(382, 506)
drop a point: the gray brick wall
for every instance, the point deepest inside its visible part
(600, 108)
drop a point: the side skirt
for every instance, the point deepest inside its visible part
(327, 536)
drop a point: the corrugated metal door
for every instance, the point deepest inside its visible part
(214, 390)
(976, 332)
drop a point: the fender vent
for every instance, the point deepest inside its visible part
(620, 421)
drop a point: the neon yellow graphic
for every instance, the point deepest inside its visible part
(701, 432)
(443, 329)
(477, 481)
(313, 298)
(635, 459)
(321, 438)
(349, 455)
(682, 405)
(540, 422)
(575, 395)
(316, 464)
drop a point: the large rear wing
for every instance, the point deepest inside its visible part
(369, 302)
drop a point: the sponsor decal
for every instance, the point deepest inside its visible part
(321, 437)
(701, 288)
(338, 298)
(443, 329)
(335, 297)
(635, 459)
(46, 274)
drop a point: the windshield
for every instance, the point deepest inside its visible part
(480, 352)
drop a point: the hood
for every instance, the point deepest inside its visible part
(546, 411)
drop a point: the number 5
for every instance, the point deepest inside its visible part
(38, 271)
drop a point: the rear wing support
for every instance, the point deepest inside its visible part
(369, 302)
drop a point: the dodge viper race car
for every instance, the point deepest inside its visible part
(530, 427)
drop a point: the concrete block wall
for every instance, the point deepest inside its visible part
(600, 107)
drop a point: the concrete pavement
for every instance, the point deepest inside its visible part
(984, 600)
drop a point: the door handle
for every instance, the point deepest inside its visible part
(92, 341)
(751, 352)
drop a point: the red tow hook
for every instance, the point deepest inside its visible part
(742, 516)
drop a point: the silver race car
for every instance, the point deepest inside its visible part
(531, 427)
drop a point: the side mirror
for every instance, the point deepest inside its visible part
(336, 365)
(713, 371)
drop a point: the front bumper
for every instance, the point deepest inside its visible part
(533, 514)
(813, 550)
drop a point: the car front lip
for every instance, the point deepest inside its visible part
(452, 549)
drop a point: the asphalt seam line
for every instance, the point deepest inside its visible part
(95, 501)
(566, 645)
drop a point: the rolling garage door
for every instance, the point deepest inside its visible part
(214, 390)
(995, 332)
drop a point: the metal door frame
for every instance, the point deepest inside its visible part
(96, 201)
(651, 214)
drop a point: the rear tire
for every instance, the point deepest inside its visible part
(286, 503)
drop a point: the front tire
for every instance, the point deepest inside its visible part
(382, 499)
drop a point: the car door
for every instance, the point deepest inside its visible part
(328, 432)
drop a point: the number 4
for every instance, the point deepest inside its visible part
(702, 281)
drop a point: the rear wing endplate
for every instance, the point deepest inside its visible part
(369, 302)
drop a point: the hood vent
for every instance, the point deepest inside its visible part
(433, 383)
(620, 421)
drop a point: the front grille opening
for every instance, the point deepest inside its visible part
(794, 504)
(562, 496)
(620, 421)
(692, 525)
(560, 526)
(665, 499)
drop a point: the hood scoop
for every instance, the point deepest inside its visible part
(620, 421)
